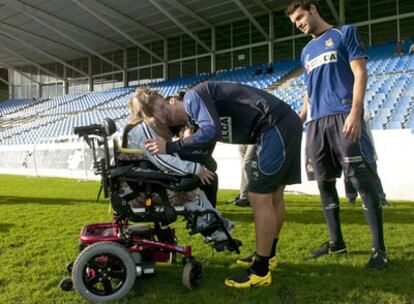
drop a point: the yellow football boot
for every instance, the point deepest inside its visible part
(248, 280)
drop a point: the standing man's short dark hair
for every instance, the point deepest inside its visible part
(304, 4)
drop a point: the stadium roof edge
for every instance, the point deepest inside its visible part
(40, 18)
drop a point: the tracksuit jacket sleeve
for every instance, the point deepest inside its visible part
(207, 120)
(165, 162)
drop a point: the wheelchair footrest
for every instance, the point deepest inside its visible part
(209, 228)
(230, 245)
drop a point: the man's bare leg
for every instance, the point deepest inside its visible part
(279, 209)
(265, 221)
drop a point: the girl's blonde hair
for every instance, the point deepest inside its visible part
(141, 107)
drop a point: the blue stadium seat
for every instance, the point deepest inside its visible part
(375, 125)
(389, 97)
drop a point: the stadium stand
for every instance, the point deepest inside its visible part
(53, 119)
(170, 86)
(389, 98)
(247, 75)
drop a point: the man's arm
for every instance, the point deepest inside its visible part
(207, 134)
(202, 141)
(208, 123)
(166, 162)
(304, 111)
(352, 126)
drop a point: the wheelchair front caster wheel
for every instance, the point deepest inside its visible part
(192, 274)
(66, 284)
(69, 267)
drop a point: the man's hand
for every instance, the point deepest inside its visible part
(156, 145)
(206, 176)
(352, 127)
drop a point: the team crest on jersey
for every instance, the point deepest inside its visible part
(322, 59)
(329, 43)
(226, 129)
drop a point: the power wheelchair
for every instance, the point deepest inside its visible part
(112, 255)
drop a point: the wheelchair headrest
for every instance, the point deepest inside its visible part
(107, 128)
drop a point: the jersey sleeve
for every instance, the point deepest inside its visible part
(302, 59)
(208, 122)
(353, 44)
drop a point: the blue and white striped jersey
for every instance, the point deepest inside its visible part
(328, 73)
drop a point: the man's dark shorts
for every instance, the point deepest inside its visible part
(329, 152)
(277, 158)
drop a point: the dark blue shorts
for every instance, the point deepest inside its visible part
(276, 160)
(329, 152)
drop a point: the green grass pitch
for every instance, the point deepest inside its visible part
(40, 220)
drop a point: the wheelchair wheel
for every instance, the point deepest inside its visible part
(66, 284)
(103, 272)
(192, 274)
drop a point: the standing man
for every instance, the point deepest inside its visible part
(337, 139)
(246, 153)
(240, 114)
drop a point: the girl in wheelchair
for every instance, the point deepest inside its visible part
(145, 122)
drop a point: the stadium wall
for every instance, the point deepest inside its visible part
(395, 150)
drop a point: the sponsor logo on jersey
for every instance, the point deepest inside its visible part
(325, 58)
(329, 43)
(226, 129)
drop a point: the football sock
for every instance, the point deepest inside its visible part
(372, 211)
(274, 245)
(330, 205)
(260, 265)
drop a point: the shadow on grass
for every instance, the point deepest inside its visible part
(348, 216)
(15, 200)
(5, 227)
